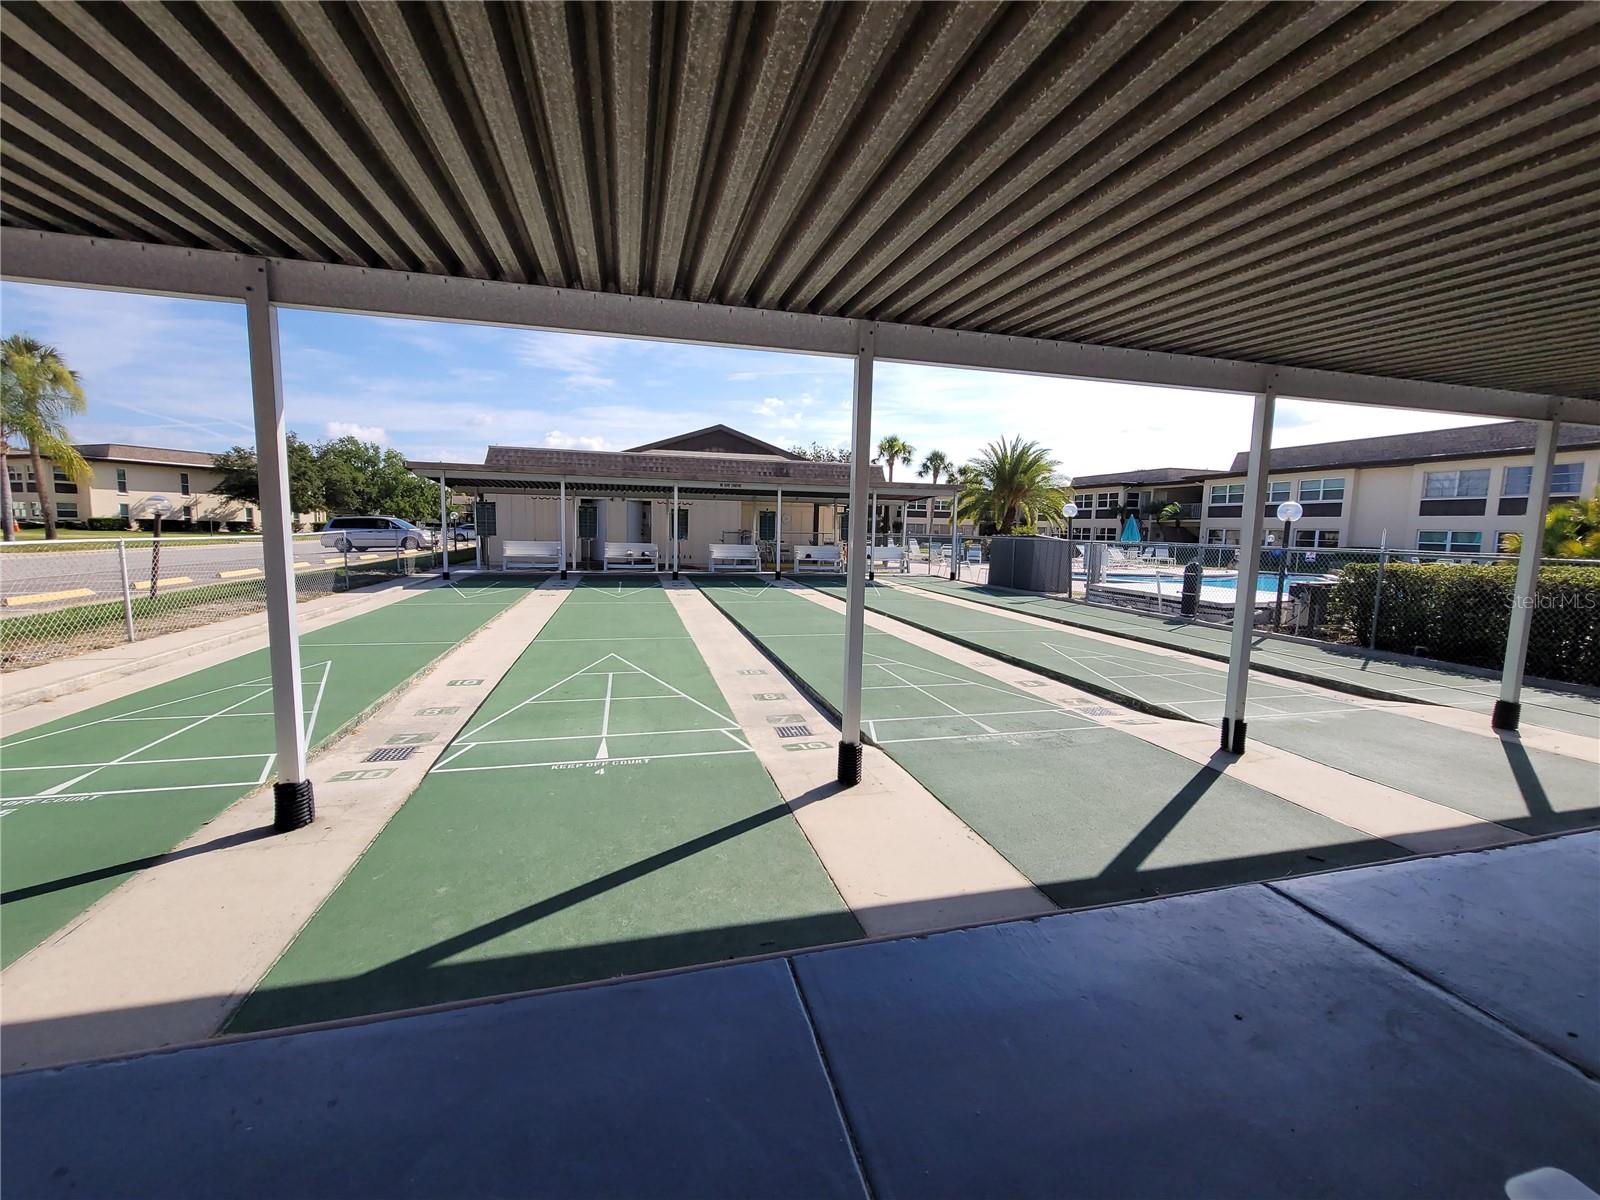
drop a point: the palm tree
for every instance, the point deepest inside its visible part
(936, 463)
(1571, 530)
(1013, 482)
(891, 450)
(39, 393)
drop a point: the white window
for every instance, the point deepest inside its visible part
(1455, 485)
(1227, 493)
(1439, 541)
(67, 509)
(122, 481)
(1566, 479)
(1316, 539)
(1222, 537)
(1322, 489)
(941, 508)
(917, 508)
(183, 482)
(122, 511)
(683, 524)
(1277, 491)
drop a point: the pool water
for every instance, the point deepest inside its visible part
(1215, 585)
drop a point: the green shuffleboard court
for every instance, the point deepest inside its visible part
(602, 814)
(1530, 790)
(88, 800)
(1088, 813)
(1312, 662)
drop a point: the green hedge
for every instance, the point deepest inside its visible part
(1461, 612)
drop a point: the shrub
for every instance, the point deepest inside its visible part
(107, 524)
(1461, 612)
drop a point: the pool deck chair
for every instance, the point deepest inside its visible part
(532, 556)
(818, 560)
(733, 558)
(892, 557)
(630, 556)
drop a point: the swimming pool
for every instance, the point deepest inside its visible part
(1169, 582)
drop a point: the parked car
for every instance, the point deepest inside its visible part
(465, 533)
(374, 533)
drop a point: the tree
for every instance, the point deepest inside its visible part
(891, 450)
(1571, 530)
(1013, 482)
(936, 463)
(40, 392)
(1169, 514)
(817, 452)
(241, 479)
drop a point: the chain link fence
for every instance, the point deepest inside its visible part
(1455, 608)
(65, 597)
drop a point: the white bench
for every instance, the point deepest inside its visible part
(890, 556)
(733, 558)
(536, 555)
(629, 556)
(820, 559)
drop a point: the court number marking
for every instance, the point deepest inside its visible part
(770, 695)
(369, 773)
(805, 745)
(464, 683)
(442, 710)
(409, 739)
(753, 671)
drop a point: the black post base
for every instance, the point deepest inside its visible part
(563, 574)
(674, 575)
(293, 806)
(1506, 715)
(849, 764)
(1232, 736)
(777, 575)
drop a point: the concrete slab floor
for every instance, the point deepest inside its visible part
(167, 956)
(902, 861)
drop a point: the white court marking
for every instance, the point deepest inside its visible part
(256, 689)
(892, 667)
(609, 667)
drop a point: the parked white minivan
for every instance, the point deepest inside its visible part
(374, 533)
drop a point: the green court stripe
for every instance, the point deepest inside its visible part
(1528, 790)
(68, 837)
(601, 815)
(1087, 812)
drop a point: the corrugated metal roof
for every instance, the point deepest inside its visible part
(1399, 189)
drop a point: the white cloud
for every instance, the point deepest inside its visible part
(581, 362)
(567, 441)
(367, 433)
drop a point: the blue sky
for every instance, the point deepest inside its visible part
(167, 372)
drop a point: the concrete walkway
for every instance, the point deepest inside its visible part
(903, 862)
(166, 957)
(1374, 1032)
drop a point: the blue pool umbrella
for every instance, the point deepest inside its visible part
(1130, 531)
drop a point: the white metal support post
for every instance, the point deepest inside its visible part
(855, 613)
(777, 539)
(561, 523)
(444, 527)
(872, 530)
(673, 524)
(293, 804)
(1244, 602)
(1508, 708)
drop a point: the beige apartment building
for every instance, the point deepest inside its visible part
(124, 480)
(1460, 491)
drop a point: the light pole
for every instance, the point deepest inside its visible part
(1069, 511)
(1288, 512)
